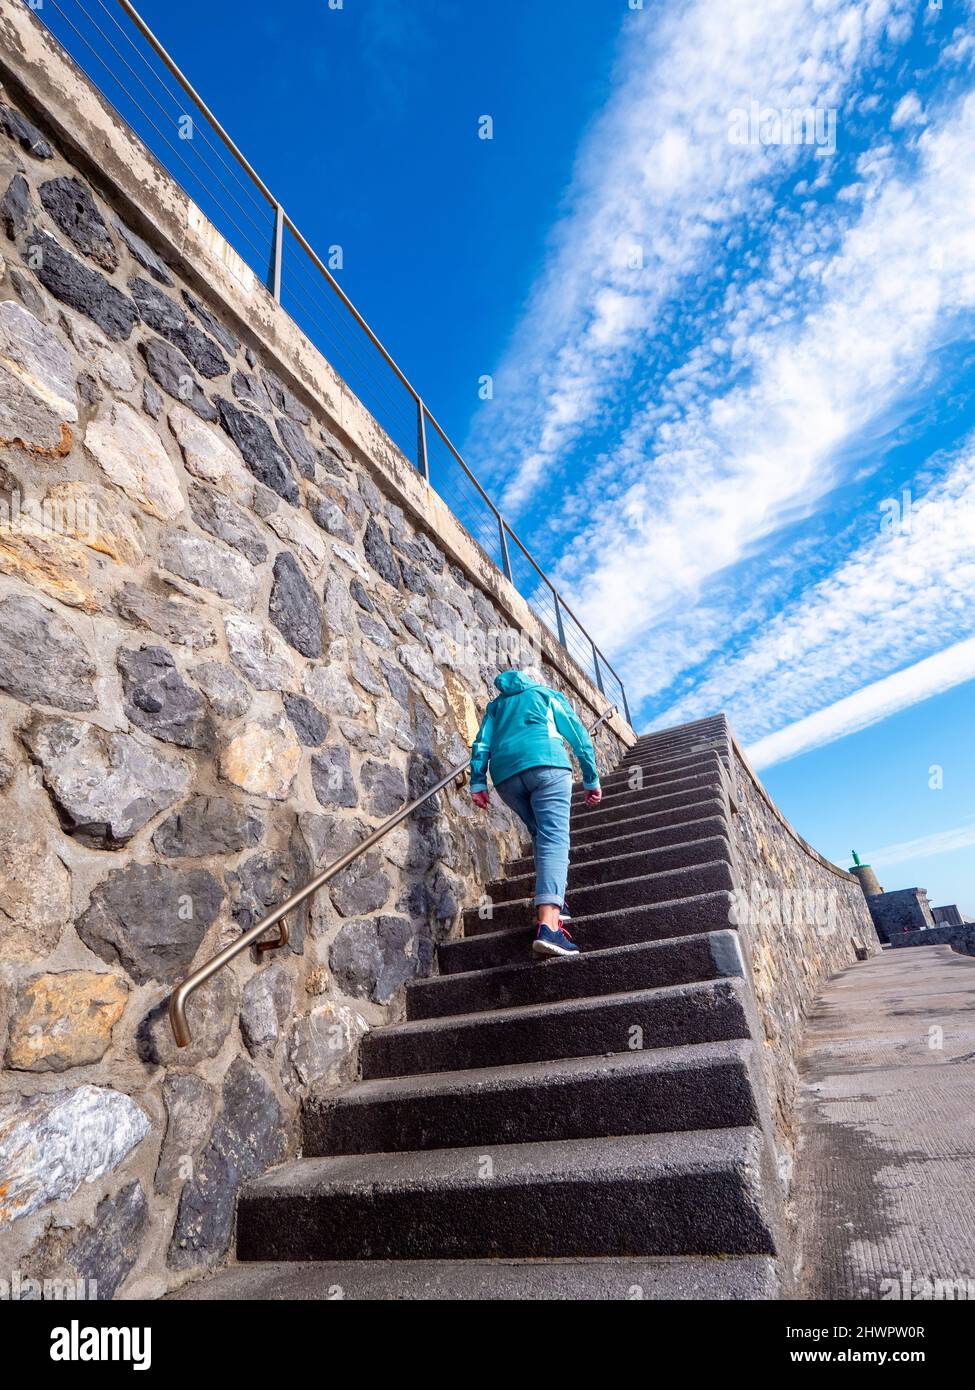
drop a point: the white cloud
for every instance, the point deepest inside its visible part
(659, 173)
(908, 111)
(941, 842)
(868, 706)
(960, 50)
(815, 333)
(907, 590)
(733, 467)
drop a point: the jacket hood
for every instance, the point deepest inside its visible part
(514, 682)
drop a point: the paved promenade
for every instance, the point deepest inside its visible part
(885, 1178)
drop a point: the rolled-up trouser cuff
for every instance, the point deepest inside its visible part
(547, 901)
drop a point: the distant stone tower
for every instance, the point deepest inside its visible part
(903, 910)
(868, 879)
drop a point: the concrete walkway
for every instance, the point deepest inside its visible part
(885, 1178)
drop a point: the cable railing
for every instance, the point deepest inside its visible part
(113, 45)
(276, 918)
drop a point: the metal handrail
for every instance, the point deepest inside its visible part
(180, 996)
(424, 415)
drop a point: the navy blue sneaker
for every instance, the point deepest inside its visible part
(553, 941)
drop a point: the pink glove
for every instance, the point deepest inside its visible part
(481, 799)
(594, 797)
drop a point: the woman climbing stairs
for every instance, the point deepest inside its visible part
(580, 1127)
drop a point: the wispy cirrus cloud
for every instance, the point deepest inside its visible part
(712, 421)
(941, 842)
(801, 365)
(871, 703)
(657, 189)
(908, 589)
(736, 465)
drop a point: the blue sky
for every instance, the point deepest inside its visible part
(732, 372)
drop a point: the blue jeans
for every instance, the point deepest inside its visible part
(541, 797)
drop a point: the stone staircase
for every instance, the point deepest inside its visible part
(592, 1127)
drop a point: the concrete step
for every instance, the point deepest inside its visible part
(710, 876)
(624, 795)
(710, 1011)
(643, 842)
(680, 961)
(703, 1086)
(668, 819)
(651, 922)
(662, 1278)
(710, 724)
(648, 800)
(662, 758)
(651, 775)
(696, 1193)
(616, 865)
(661, 746)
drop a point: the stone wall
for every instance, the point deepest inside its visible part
(948, 916)
(800, 920)
(959, 938)
(237, 631)
(901, 910)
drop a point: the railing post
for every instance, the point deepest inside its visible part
(595, 662)
(505, 557)
(626, 708)
(422, 461)
(558, 618)
(278, 251)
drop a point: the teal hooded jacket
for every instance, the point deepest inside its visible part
(524, 727)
